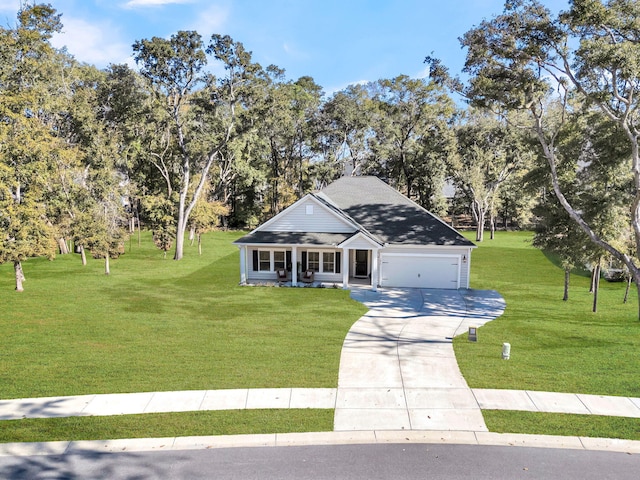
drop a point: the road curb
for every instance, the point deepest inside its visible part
(319, 438)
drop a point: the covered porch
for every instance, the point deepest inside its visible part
(293, 265)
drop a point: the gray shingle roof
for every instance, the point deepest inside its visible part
(388, 215)
(294, 238)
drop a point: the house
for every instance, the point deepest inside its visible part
(357, 230)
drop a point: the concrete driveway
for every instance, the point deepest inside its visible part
(398, 370)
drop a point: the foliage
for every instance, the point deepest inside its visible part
(556, 67)
(488, 153)
(160, 214)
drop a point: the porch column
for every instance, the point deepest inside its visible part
(243, 265)
(345, 268)
(374, 269)
(294, 266)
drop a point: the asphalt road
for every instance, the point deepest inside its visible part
(349, 462)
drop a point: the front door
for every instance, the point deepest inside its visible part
(362, 263)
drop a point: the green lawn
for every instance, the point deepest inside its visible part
(160, 425)
(555, 345)
(155, 324)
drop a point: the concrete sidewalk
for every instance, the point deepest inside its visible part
(283, 398)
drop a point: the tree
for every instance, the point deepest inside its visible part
(28, 67)
(488, 153)
(199, 122)
(587, 59)
(286, 113)
(345, 127)
(160, 213)
(413, 137)
(205, 217)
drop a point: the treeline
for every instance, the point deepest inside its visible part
(88, 155)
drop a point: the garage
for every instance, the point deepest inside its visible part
(420, 271)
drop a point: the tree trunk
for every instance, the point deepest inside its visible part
(62, 245)
(480, 226)
(567, 277)
(596, 286)
(199, 244)
(83, 256)
(626, 291)
(107, 270)
(192, 235)
(17, 267)
(179, 241)
(492, 222)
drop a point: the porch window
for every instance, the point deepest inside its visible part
(321, 261)
(278, 260)
(264, 260)
(313, 261)
(328, 261)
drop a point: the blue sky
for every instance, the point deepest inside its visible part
(337, 42)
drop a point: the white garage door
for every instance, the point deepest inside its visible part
(419, 271)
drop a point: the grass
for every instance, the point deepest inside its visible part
(555, 345)
(156, 325)
(159, 325)
(536, 423)
(159, 425)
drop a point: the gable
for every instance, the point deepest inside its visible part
(308, 215)
(359, 241)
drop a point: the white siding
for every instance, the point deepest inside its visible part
(316, 218)
(359, 244)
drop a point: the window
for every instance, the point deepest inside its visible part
(264, 260)
(278, 260)
(321, 261)
(313, 261)
(328, 262)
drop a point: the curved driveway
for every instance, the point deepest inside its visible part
(398, 370)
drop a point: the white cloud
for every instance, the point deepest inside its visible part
(423, 74)
(152, 3)
(97, 44)
(211, 20)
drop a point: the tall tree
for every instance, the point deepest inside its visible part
(413, 137)
(488, 153)
(28, 70)
(345, 126)
(588, 54)
(201, 121)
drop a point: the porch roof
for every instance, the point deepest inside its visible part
(260, 237)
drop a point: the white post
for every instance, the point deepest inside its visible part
(374, 270)
(345, 268)
(294, 266)
(243, 265)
